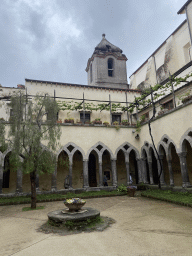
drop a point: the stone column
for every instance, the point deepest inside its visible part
(114, 172)
(85, 174)
(1, 178)
(162, 179)
(151, 172)
(37, 183)
(70, 174)
(170, 172)
(184, 170)
(19, 188)
(100, 175)
(128, 173)
(139, 168)
(144, 171)
(54, 180)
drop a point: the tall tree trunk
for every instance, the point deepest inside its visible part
(33, 189)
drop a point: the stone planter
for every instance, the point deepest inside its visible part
(74, 207)
(74, 204)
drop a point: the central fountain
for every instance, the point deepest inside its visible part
(74, 212)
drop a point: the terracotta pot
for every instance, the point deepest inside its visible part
(131, 192)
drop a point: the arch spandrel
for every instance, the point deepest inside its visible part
(186, 136)
(99, 152)
(127, 151)
(72, 152)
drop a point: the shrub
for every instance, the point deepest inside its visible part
(122, 188)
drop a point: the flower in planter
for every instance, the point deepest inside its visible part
(125, 122)
(70, 120)
(106, 123)
(186, 99)
(97, 121)
(75, 201)
(116, 123)
(162, 111)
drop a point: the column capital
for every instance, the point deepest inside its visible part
(182, 154)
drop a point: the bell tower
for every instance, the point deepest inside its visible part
(107, 66)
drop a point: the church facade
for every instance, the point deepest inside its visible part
(106, 141)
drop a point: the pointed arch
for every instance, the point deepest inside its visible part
(126, 147)
(99, 148)
(187, 136)
(70, 148)
(170, 144)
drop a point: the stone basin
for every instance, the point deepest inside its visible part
(62, 216)
(75, 206)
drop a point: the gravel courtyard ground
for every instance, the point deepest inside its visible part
(143, 227)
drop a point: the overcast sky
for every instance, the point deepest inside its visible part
(52, 39)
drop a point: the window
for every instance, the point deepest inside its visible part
(116, 118)
(168, 105)
(110, 67)
(87, 117)
(13, 115)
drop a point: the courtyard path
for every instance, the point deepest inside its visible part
(143, 227)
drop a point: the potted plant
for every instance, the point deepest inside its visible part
(97, 121)
(142, 118)
(131, 191)
(69, 121)
(116, 123)
(125, 122)
(186, 99)
(162, 111)
(59, 121)
(106, 123)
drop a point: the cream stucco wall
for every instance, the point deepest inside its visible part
(173, 125)
(77, 92)
(170, 57)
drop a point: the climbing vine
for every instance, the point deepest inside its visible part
(143, 101)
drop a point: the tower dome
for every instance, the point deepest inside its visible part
(107, 66)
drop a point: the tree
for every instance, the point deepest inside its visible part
(32, 125)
